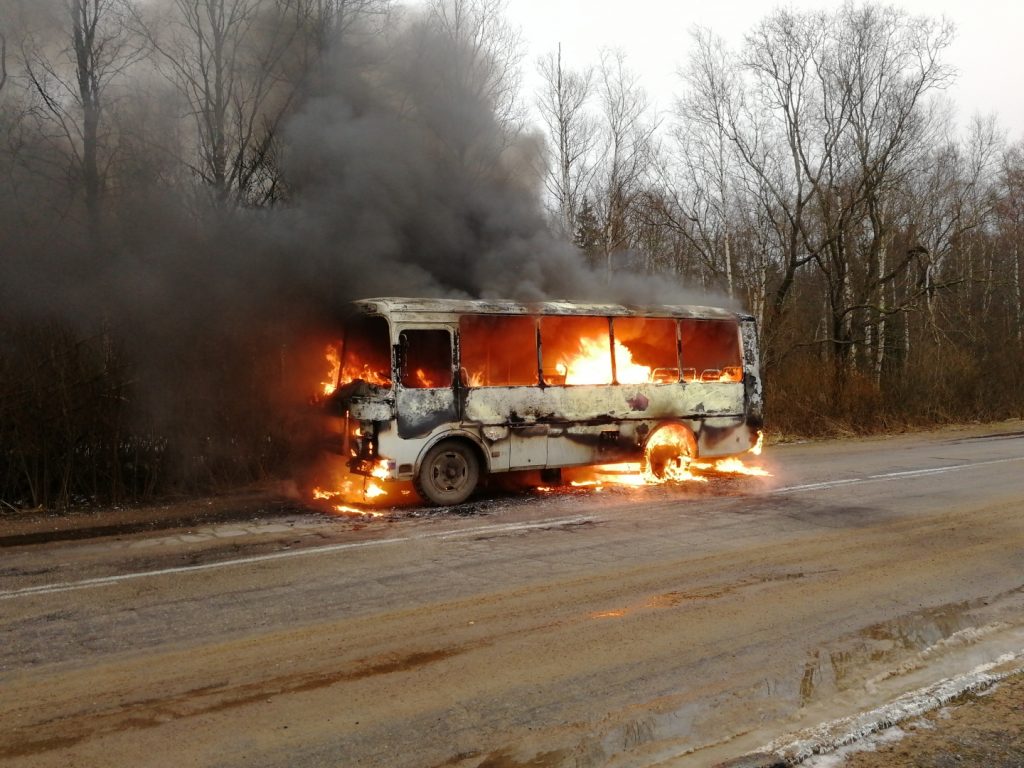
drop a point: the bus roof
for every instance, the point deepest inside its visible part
(396, 306)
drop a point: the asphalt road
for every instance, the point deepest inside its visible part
(658, 626)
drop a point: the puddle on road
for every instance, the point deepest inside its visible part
(855, 662)
(897, 647)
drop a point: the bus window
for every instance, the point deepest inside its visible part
(645, 350)
(711, 350)
(575, 350)
(367, 352)
(426, 359)
(498, 351)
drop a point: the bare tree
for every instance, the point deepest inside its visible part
(832, 119)
(626, 154)
(489, 52)
(706, 174)
(73, 86)
(328, 33)
(738, 102)
(1010, 215)
(329, 23)
(885, 65)
(224, 57)
(571, 133)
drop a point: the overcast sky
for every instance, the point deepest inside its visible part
(987, 51)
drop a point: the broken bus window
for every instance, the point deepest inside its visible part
(498, 351)
(645, 350)
(575, 350)
(426, 359)
(711, 350)
(366, 352)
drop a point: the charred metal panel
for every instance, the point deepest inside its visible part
(721, 436)
(580, 444)
(601, 404)
(600, 424)
(499, 455)
(495, 434)
(752, 390)
(414, 310)
(363, 402)
(421, 411)
(371, 409)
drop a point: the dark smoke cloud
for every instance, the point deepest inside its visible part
(402, 181)
(413, 187)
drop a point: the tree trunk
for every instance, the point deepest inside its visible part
(880, 331)
(1017, 290)
(728, 265)
(84, 22)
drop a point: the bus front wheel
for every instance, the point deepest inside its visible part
(448, 474)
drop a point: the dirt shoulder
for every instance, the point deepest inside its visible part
(967, 430)
(985, 729)
(19, 528)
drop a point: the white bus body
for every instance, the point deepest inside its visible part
(441, 392)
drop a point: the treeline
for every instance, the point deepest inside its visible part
(190, 189)
(818, 177)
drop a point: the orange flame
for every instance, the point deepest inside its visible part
(733, 467)
(374, 491)
(678, 470)
(353, 369)
(320, 494)
(334, 361)
(593, 364)
(360, 490)
(342, 509)
(759, 445)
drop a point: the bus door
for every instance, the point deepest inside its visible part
(425, 393)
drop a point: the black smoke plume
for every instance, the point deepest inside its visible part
(177, 348)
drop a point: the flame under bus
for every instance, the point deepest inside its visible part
(442, 392)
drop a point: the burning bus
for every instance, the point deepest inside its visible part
(444, 392)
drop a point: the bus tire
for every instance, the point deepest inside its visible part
(668, 451)
(448, 473)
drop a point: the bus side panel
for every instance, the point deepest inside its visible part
(528, 446)
(721, 436)
(752, 388)
(421, 411)
(580, 444)
(601, 404)
(603, 424)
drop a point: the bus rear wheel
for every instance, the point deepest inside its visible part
(449, 473)
(668, 452)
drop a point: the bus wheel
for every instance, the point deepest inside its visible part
(448, 474)
(668, 452)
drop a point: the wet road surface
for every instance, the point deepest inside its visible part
(657, 626)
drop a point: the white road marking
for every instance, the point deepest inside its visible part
(892, 476)
(103, 581)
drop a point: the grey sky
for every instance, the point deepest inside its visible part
(654, 34)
